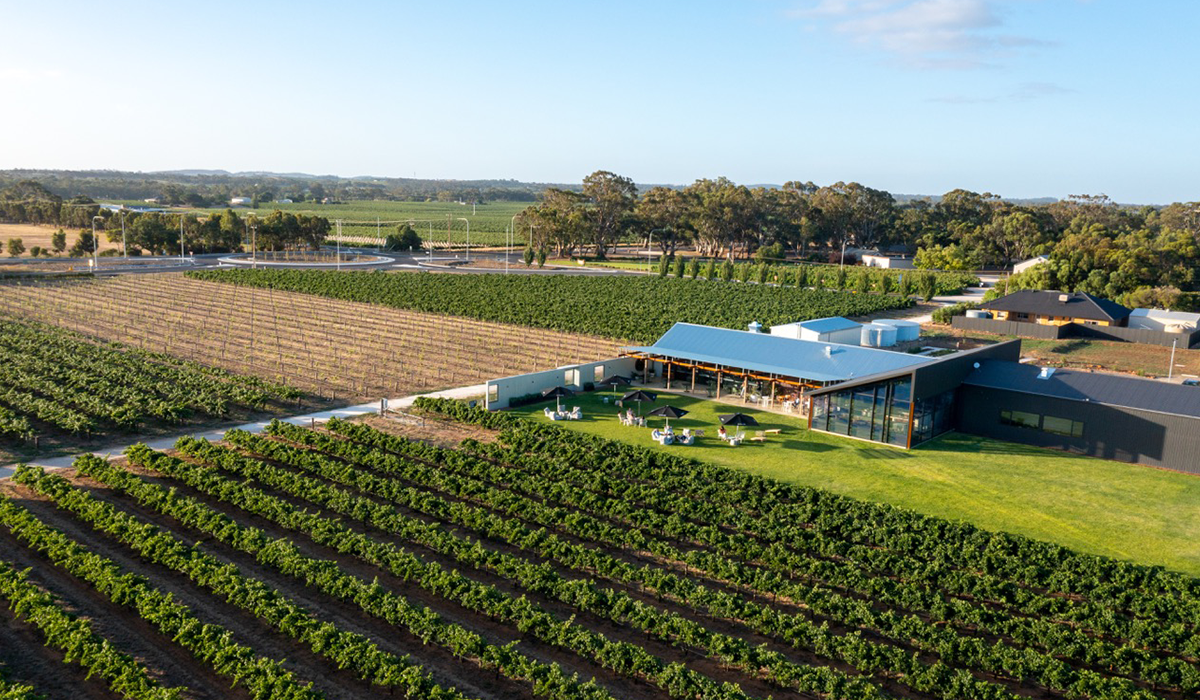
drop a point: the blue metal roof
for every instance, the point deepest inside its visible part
(828, 325)
(771, 354)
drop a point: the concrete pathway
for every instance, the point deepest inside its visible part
(114, 451)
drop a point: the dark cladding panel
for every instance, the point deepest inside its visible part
(1082, 427)
(947, 373)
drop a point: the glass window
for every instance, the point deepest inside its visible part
(839, 413)
(1062, 426)
(598, 374)
(493, 393)
(862, 412)
(1021, 419)
(898, 424)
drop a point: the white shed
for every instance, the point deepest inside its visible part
(887, 262)
(241, 202)
(1165, 321)
(834, 329)
(1026, 264)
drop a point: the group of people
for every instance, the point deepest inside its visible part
(627, 418)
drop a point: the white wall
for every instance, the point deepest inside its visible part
(499, 391)
(887, 262)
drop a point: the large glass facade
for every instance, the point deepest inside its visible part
(876, 412)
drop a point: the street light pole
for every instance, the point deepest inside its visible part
(1171, 367)
(468, 237)
(181, 254)
(124, 247)
(512, 238)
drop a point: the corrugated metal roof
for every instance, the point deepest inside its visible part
(1047, 303)
(772, 354)
(1109, 389)
(829, 325)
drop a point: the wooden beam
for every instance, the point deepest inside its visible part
(718, 384)
(745, 386)
(693, 390)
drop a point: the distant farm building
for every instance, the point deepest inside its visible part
(887, 262)
(1026, 264)
(241, 202)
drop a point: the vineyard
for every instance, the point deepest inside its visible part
(332, 349)
(620, 307)
(58, 383)
(351, 562)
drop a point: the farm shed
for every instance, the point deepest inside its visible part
(833, 329)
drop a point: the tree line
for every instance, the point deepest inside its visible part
(156, 232)
(1093, 244)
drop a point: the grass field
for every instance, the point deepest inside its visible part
(35, 235)
(1126, 511)
(431, 219)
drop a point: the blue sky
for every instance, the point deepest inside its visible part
(1023, 98)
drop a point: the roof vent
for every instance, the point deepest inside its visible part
(754, 327)
(1046, 373)
(1064, 298)
(828, 351)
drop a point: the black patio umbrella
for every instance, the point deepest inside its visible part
(668, 412)
(737, 419)
(557, 393)
(614, 380)
(640, 396)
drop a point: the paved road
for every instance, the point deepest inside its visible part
(114, 451)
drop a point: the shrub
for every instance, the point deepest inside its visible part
(527, 255)
(710, 270)
(945, 313)
(664, 265)
(693, 270)
(680, 266)
(727, 270)
(770, 253)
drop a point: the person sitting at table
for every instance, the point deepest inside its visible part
(721, 433)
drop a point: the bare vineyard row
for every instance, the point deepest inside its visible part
(341, 350)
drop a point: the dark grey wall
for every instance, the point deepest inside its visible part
(1122, 434)
(947, 373)
(1025, 329)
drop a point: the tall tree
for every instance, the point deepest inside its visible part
(612, 199)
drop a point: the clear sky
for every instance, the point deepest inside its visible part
(1023, 98)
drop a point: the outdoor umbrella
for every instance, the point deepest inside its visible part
(640, 396)
(614, 380)
(668, 412)
(558, 393)
(737, 419)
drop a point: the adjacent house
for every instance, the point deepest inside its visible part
(1052, 308)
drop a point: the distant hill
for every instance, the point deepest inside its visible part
(218, 185)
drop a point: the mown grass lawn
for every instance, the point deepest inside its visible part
(1141, 514)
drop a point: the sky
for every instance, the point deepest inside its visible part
(1022, 98)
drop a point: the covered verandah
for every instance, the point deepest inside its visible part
(726, 384)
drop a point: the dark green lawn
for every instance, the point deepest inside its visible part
(1141, 514)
